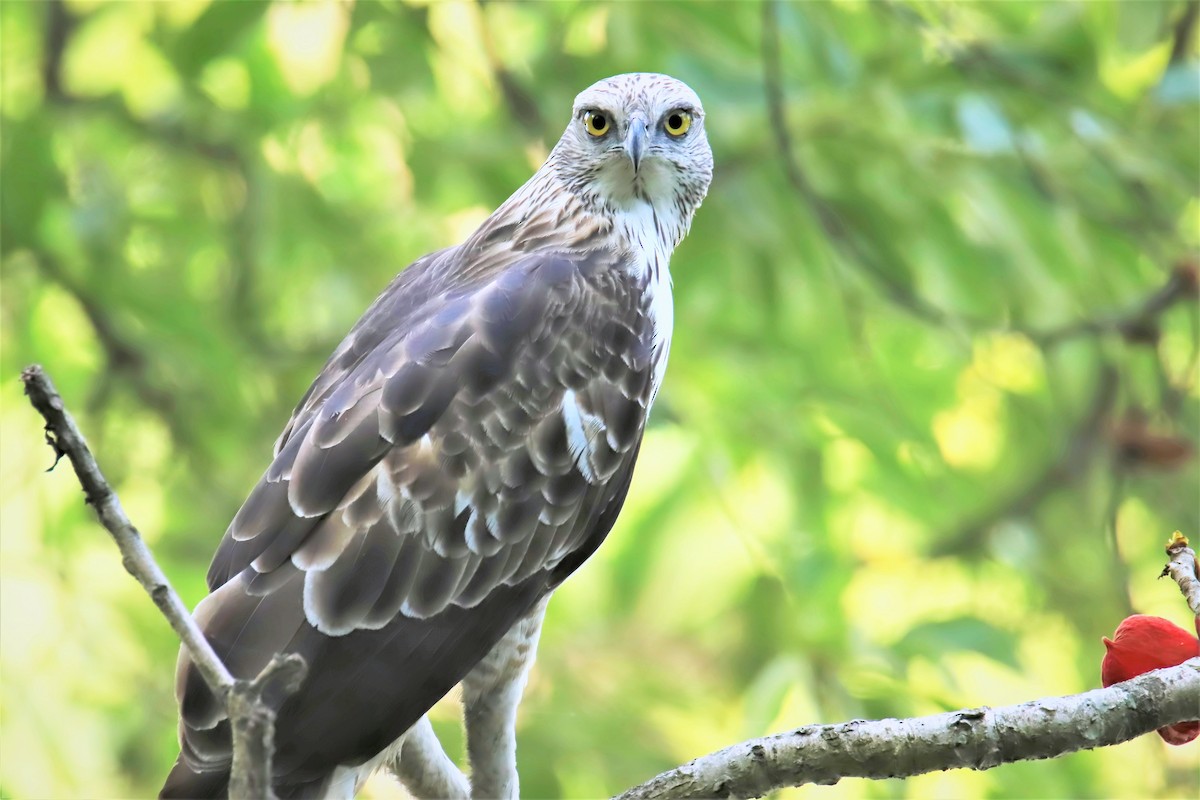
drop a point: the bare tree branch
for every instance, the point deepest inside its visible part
(1184, 569)
(252, 721)
(65, 438)
(979, 738)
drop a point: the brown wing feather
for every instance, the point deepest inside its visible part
(452, 463)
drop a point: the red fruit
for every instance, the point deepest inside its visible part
(1143, 643)
(1180, 732)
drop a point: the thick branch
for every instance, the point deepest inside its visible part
(252, 721)
(1184, 570)
(979, 738)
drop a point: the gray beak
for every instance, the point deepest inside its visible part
(635, 141)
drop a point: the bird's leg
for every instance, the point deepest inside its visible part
(491, 693)
(423, 767)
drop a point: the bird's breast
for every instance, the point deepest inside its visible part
(651, 236)
(661, 312)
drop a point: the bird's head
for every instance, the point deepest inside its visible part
(637, 138)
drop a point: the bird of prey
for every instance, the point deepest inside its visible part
(466, 447)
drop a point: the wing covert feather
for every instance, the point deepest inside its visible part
(461, 433)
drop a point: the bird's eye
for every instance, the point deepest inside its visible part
(678, 122)
(595, 123)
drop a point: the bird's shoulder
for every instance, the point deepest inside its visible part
(506, 265)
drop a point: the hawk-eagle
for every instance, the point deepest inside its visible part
(462, 452)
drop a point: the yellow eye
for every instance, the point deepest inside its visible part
(678, 122)
(595, 123)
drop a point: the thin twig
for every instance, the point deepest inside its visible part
(65, 439)
(1184, 570)
(1135, 324)
(252, 721)
(980, 738)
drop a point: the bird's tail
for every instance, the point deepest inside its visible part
(184, 783)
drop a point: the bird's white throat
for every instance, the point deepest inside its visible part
(652, 236)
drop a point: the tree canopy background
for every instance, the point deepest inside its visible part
(919, 447)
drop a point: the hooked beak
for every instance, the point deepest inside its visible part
(635, 141)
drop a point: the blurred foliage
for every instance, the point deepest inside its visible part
(930, 411)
